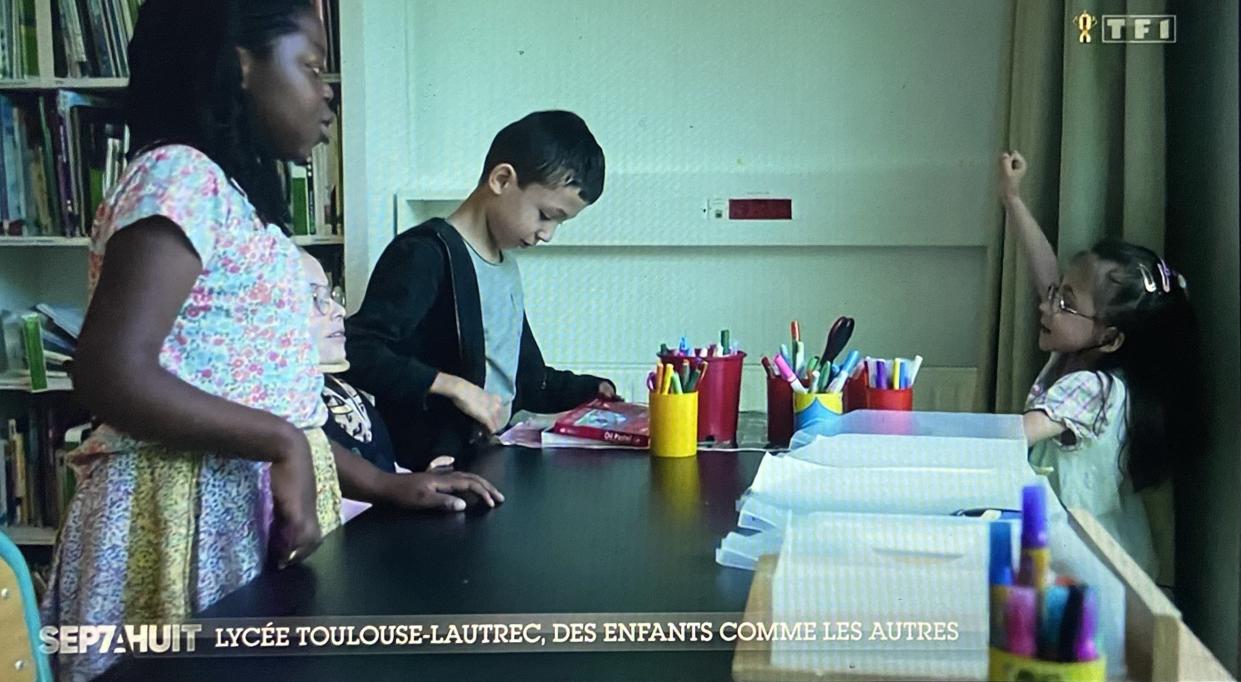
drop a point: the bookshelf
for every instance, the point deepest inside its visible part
(41, 84)
(29, 536)
(44, 242)
(44, 252)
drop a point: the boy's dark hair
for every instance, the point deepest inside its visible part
(1160, 358)
(185, 86)
(551, 148)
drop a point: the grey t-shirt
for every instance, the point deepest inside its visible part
(503, 308)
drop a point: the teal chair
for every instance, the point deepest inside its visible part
(20, 657)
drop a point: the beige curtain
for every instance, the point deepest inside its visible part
(1090, 120)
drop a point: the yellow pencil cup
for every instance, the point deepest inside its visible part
(810, 408)
(1005, 667)
(674, 424)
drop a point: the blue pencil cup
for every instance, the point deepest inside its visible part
(815, 410)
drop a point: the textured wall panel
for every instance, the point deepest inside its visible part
(880, 119)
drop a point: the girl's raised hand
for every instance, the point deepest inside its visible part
(1012, 170)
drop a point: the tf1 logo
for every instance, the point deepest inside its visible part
(1127, 28)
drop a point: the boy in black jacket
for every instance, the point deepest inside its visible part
(441, 339)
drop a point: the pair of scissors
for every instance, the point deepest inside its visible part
(837, 338)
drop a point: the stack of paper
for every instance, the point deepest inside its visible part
(894, 595)
(869, 438)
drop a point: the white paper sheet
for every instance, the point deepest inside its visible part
(912, 589)
(801, 486)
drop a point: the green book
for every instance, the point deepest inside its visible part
(32, 330)
(96, 189)
(299, 205)
(30, 39)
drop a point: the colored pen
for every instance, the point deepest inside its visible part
(676, 383)
(1050, 621)
(1001, 577)
(683, 346)
(692, 382)
(795, 331)
(659, 378)
(663, 349)
(913, 371)
(1071, 624)
(767, 367)
(702, 374)
(789, 375)
(1020, 621)
(1035, 557)
(711, 351)
(684, 372)
(896, 373)
(667, 385)
(725, 343)
(650, 381)
(1084, 648)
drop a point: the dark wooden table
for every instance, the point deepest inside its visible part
(581, 532)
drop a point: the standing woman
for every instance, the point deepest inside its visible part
(195, 353)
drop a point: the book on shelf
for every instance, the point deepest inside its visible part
(60, 153)
(91, 37)
(57, 333)
(39, 481)
(36, 364)
(607, 421)
(19, 43)
(329, 13)
(313, 189)
(4, 479)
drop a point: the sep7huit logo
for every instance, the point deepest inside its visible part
(1126, 28)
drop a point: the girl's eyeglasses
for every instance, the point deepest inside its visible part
(1055, 301)
(324, 297)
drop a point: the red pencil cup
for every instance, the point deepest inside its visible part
(719, 394)
(779, 412)
(890, 399)
(855, 393)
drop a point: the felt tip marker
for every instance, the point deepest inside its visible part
(1001, 577)
(1084, 648)
(1050, 621)
(1020, 621)
(1035, 557)
(789, 375)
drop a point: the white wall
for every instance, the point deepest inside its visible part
(377, 136)
(879, 119)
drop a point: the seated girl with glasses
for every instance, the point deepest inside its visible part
(355, 425)
(1112, 412)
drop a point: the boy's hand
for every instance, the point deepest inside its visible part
(432, 491)
(481, 406)
(607, 391)
(1012, 170)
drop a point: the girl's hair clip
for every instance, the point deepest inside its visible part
(1165, 277)
(1148, 280)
